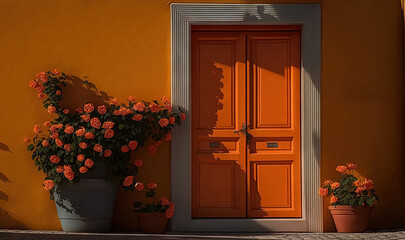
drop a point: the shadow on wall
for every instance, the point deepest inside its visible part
(6, 218)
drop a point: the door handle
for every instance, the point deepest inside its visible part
(245, 130)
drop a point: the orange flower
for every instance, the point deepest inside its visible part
(164, 200)
(102, 109)
(341, 169)
(54, 127)
(33, 84)
(60, 125)
(89, 163)
(137, 117)
(165, 100)
(327, 182)
(47, 123)
(58, 92)
(360, 189)
(108, 124)
(26, 139)
(139, 186)
(83, 169)
(138, 162)
(131, 99)
(80, 157)
(83, 145)
(168, 137)
(67, 147)
(49, 184)
(152, 149)
(323, 192)
(69, 129)
(351, 166)
(132, 145)
(169, 212)
(36, 128)
(109, 133)
(358, 183)
(124, 149)
(59, 169)
(168, 107)
(41, 95)
(88, 108)
(172, 120)
(182, 116)
(154, 107)
(139, 107)
(107, 153)
(123, 111)
(368, 184)
(98, 148)
(65, 111)
(51, 109)
(55, 135)
(163, 122)
(114, 101)
(58, 142)
(95, 122)
(45, 143)
(68, 172)
(89, 135)
(56, 71)
(157, 143)
(335, 185)
(128, 181)
(80, 132)
(333, 199)
(79, 110)
(152, 185)
(85, 117)
(54, 159)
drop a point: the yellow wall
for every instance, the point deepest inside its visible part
(124, 49)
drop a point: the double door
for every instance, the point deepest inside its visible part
(246, 146)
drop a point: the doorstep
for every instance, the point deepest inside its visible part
(8, 234)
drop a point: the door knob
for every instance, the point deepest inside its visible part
(245, 130)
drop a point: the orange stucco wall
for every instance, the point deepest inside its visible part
(124, 49)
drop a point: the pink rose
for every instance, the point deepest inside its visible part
(124, 149)
(67, 147)
(65, 111)
(51, 109)
(114, 101)
(79, 110)
(139, 186)
(89, 135)
(107, 153)
(89, 163)
(109, 133)
(54, 159)
(58, 142)
(154, 107)
(41, 95)
(80, 132)
(164, 200)
(182, 116)
(58, 92)
(37, 128)
(163, 122)
(69, 129)
(152, 185)
(26, 139)
(47, 123)
(83, 145)
(168, 137)
(128, 181)
(33, 84)
(85, 117)
(83, 169)
(56, 71)
(131, 98)
(80, 157)
(108, 124)
(138, 162)
(45, 143)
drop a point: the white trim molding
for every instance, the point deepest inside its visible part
(309, 17)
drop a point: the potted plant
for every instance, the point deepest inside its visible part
(86, 154)
(352, 200)
(154, 215)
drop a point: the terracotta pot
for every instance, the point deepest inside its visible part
(153, 222)
(351, 219)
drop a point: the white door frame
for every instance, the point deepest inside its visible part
(309, 17)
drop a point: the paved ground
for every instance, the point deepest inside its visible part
(53, 235)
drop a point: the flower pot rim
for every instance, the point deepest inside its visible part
(349, 207)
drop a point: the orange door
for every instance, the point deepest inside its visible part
(219, 154)
(274, 162)
(246, 78)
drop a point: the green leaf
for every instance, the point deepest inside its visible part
(137, 204)
(30, 147)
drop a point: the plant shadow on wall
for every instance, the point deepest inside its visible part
(218, 179)
(6, 218)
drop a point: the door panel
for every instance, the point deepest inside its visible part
(219, 154)
(274, 165)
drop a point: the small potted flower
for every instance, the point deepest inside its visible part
(352, 200)
(154, 215)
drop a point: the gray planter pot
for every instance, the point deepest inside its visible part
(86, 206)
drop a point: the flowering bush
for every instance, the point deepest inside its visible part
(74, 143)
(161, 205)
(350, 190)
